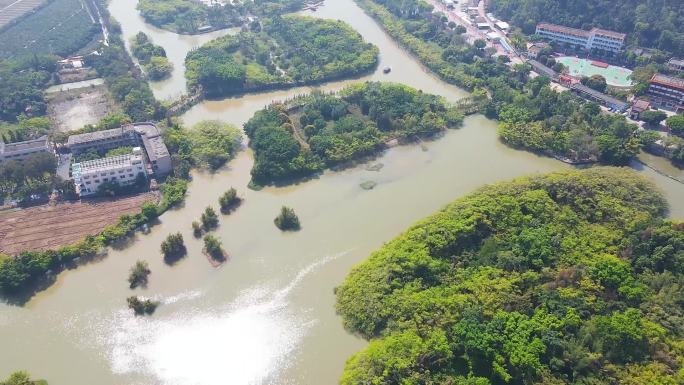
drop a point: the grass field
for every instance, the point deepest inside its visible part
(615, 76)
(61, 28)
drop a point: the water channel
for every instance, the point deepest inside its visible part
(267, 316)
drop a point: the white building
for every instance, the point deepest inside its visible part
(22, 150)
(594, 39)
(123, 169)
(146, 135)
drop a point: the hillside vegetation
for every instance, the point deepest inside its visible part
(648, 23)
(568, 278)
(311, 133)
(288, 51)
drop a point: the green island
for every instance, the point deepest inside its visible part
(151, 56)
(311, 133)
(286, 51)
(190, 17)
(532, 115)
(571, 277)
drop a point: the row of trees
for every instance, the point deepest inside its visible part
(288, 50)
(313, 132)
(567, 278)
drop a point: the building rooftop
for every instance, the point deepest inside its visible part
(41, 142)
(155, 148)
(562, 29)
(605, 32)
(668, 81)
(580, 32)
(106, 164)
(641, 105)
(599, 95)
(676, 62)
(93, 136)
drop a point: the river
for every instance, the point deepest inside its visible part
(267, 316)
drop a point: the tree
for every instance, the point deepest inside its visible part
(287, 220)
(480, 44)
(676, 124)
(213, 247)
(141, 306)
(229, 200)
(595, 82)
(139, 274)
(196, 229)
(20, 378)
(653, 117)
(209, 219)
(173, 247)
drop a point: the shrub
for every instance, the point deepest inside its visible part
(142, 306)
(212, 246)
(173, 247)
(229, 201)
(287, 220)
(209, 219)
(139, 274)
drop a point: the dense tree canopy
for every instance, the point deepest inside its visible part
(208, 144)
(650, 23)
(288, 50)
(21, 86)
(568, 278)
(317, 131)
(187, 16)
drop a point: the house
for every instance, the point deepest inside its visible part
(22, 150)
(596, 38)
(73, 62)
(638, 107)
(534, 49)
(676, 65)
(122, 169)
(145, 135)
(667, 92)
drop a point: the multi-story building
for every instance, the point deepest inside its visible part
(667, 92)
(594, 39)
(676, 65)
(123, 169)
(22, 150)
(145, 135)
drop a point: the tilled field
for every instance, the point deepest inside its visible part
(48, 227)
(12, 9)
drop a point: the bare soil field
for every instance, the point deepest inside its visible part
(13, 9)
(73, 109)
(48, 227)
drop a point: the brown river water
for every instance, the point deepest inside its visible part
(267, 316)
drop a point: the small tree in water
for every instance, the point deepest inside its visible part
(209, 219)
(229, 201)
(139, 273)
(141, 306)
(196, 229)
(173, 247)
(213, 247)
(287, 220)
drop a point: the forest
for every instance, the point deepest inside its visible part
(573, 277)
(186, 16)
(151, 56)
(283, 51)
(531, 114)
(22, 81)
(62, 27)
(647, 23)
(314, 132)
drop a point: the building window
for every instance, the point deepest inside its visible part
(105, 179)
(130, 175)
(97, 181)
